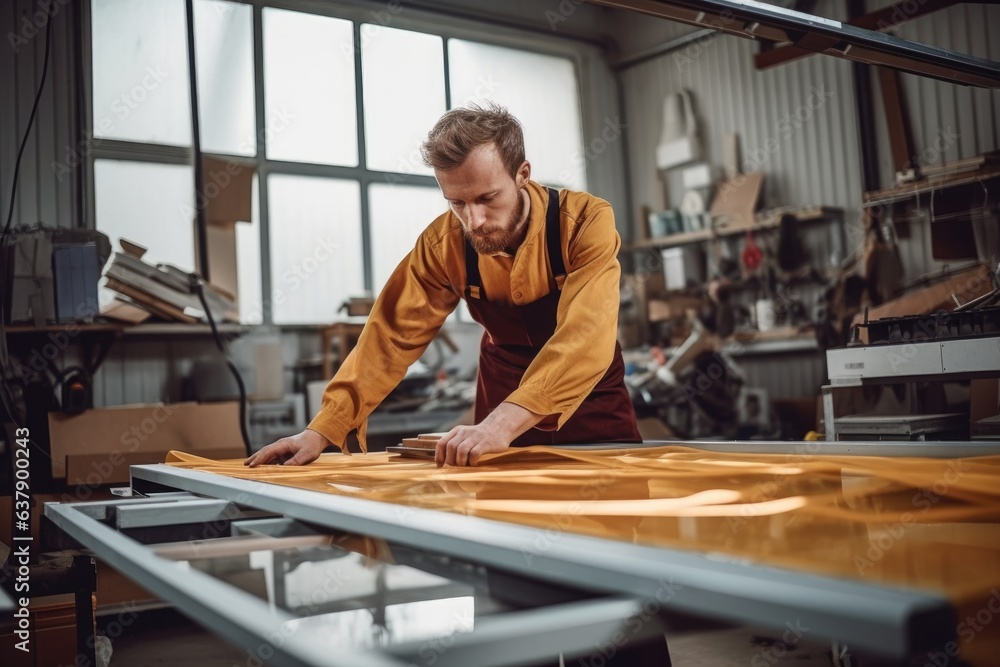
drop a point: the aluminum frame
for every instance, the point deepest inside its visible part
(517, 637)
(891, 622)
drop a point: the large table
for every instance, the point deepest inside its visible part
(546, 589)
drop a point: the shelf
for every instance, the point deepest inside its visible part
(673, 240)
(15, 329)
(782, 339)
(179, 329)
(156, 329)
(763, 221)
(908, 191)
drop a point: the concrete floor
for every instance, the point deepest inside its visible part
(165, 638)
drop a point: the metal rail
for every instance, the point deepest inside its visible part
(756, 20)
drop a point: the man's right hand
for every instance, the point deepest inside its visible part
(295, 450)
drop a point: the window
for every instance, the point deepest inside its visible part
(140, 88)
(403, 96)
(346, 103)
(315, 246)
(158, 196)
(224, 49)
(530, 85)
(398, 214)
(309, 83)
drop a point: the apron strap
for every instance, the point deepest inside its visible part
(552, 241)
(473, 283)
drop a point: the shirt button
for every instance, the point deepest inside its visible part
(518, 295)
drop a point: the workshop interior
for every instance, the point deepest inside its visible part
(203, 200)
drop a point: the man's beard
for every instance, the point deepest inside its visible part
(489, 240)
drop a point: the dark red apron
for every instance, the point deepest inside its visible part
(515, 334)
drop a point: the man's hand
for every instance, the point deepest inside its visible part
(296, 450)
(464, 445)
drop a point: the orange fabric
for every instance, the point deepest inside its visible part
(929, 524)
(428, 283)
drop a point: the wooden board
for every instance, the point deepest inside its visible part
(158, 307)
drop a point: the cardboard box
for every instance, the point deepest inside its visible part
(227, 186)
(117, 437)
(223, 271)
(53, 635)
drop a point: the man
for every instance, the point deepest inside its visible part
(538, 269)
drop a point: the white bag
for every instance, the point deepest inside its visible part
(679, 141)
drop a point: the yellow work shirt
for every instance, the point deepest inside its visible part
(427, 285)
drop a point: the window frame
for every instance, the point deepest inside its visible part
(580, 51)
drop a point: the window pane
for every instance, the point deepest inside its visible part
(248, 280)
(315, 233)
(403, 95)
(309, 88)
(224, 50)
(398, 214)
(140, 90)
(151, 204)
(540, 90)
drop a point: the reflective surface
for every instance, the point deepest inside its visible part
(927, 524)
(351, 588)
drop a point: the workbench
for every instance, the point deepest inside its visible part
(523, 592)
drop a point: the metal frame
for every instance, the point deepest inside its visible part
(887, 621)
(756, 20)
(513, 638)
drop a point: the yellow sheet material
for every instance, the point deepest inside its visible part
(928, 524)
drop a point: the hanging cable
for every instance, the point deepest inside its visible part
(199, 285)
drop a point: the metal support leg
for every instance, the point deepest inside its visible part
(85, 583)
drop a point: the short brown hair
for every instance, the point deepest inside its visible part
(462, 130)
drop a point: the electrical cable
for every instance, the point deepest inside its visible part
(200, 287)
(6, 395)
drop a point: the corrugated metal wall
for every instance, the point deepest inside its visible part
(795, 122)
(42, 195)
(807, 110)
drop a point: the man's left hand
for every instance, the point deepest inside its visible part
(464, 445)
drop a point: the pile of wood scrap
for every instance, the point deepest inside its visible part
(146, 290)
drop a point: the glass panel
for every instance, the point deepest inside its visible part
(224, 50)
(309, 88)
(362, 596)
(315, 241)
(540, 90)
(398, 214)
(151, 204)
(403, 94)
(140, 88)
